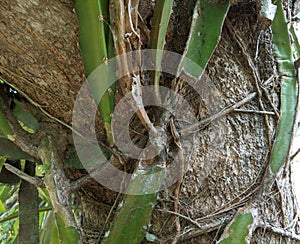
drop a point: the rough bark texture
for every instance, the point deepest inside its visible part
(39, 55)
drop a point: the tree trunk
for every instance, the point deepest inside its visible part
(28, 209)
(229, 163)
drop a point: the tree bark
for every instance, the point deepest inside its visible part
(40, 58)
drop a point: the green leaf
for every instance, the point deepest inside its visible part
(131, 222)
(49, 232)
(2, 208)
(9, 150)
(73, 161)
(26, 118)
(54, 231)
(205, 32)
(239, 229)
(93, 36)
(2, 160)
(4, 191)
(296, 43)
(92, 39)
(16, 226)
(66, 235)
(44, 195)
(5, 128)
(94, 161)
(289, 91)
(161, 17)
